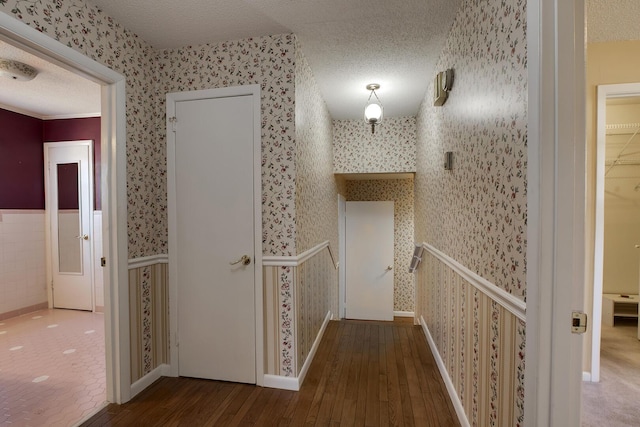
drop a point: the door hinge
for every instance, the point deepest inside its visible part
(578, 322)
(173, 120)
(103, 262)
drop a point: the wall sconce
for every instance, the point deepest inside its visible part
(373, 109)
(442, 86)
(15, 70)
(417, 258)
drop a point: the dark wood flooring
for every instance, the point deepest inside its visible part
(364, 374)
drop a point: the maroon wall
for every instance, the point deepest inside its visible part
(73, 130)
(22, 158)
(21, 162)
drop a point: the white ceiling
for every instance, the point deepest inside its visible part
(348, 44)
(53, 93)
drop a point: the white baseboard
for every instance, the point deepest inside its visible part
(586, 376)
(284, 383)
(462, 416)
(314, 348)
(294, 383)
(150, 378)
(403, 314)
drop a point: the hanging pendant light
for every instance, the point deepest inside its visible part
(373, 110)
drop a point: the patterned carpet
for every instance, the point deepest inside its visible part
(614, 402)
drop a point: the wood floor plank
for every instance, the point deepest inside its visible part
(364, 374)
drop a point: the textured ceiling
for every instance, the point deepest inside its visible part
(54, 92)
(348, 43)
(613, 20)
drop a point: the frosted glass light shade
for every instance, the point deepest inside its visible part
(15, 70)
(373, 113)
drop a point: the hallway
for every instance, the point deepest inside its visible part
(373, 373)
(52, 367)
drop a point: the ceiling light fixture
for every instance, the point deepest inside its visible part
(15, 70)
(373, 110)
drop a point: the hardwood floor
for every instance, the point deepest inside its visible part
(364, 374)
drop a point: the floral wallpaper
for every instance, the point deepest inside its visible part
(316, 191)
(477, 212)
(316, 187)
(401, 192)
(392, 148)
(270, 62)
(87, 29)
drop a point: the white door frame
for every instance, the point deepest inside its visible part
(47, 229)
(556, 210)
(172, 98)
(114, 191)
(342, 247)
(604, 92)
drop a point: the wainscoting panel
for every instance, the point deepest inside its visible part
(479, 338)
(148, 317)
(297, 292)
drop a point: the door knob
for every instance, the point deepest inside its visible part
(389, 268)
(83, 237)
(245, 260)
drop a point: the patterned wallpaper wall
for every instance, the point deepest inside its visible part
(86, 29)
(316, 191)
(401, 192)
(270, 62)
(391, 149)
(476, 213)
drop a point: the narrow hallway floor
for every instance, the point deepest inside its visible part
(52, 367)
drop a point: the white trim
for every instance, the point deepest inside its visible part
(283, 383)
(314, 348)
(71, 116)
(453, 395)
(144, 382)
(148, 260)
(21, 111)
(586, 376)
(514, 305)
(342, 277)
(294, 261)
(114, 190)
(172, 99)
(604, 92)
(556, 206)
(294, 383)
(403, 314)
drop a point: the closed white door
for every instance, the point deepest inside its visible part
(68, 188)
(214, 195)
(369, 260)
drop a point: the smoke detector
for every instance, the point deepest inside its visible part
(15, 70)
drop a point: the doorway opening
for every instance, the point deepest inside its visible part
(113, 180)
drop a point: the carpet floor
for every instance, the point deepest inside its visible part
(614, 401)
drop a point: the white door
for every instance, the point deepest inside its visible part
(68, 188)
(215, 240)
(369, 260)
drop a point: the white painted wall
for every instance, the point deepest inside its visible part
(22, 259)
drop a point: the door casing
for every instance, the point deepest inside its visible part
(172, 99)
(114, 191)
